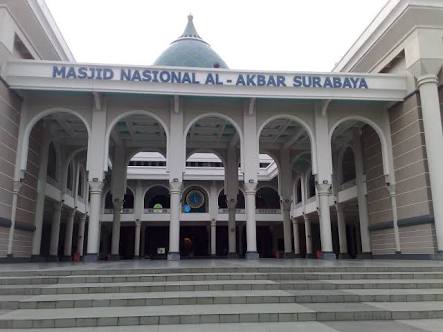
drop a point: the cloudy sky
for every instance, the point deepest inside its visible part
(308, 35)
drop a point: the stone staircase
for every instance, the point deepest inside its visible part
(103, 295)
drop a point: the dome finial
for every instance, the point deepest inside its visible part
(190, 31)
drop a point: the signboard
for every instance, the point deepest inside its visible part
(170, 76)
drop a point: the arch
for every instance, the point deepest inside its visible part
(216, 115)
(303, 124)
(30, 125)
(135, 151)
(270, 203)
(241, 204)
(71, 157)
(124, 115)
(209, 150)
(166, 201)
(377, 129)
(128, 198)
(155, 185)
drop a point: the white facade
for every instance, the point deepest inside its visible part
(351, 157)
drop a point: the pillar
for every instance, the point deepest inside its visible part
(213, 237)
(393, 198)
(81, 234)
(115, 241)
(286, 214)
(296, 237)
(143, 241)
(95, 191)
(240, 239)
(55, 231)
(67, 252)
(323, 192)
(232, 204)
(16, 189)
(432, 123)
(251, 235)
(174, 224)
(41, 194)
(308, 236)
(250, 163)
(324, 179)
(341, 225)
(363, 215)
(137, 239)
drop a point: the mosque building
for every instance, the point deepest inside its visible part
(186, 158)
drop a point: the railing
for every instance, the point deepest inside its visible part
(347, 184)
(123, 211)
(226, 211)
(268, 211)
(156, 211)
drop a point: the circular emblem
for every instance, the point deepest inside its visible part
(195, 199)
(157, 207)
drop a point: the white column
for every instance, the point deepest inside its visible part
(323, 192)
(250, 165)
(392, 195)
(286, 214)
(213, 237)
(251, 236)
(174, 224)
(341, 224)
(81, 234)
(324, 181)
(95, 189)
(296, 237)
(15, 191)
(41, 194)
(175, 163)
(432, 123)
(361, 194)
(137, 239)
(232, 203)
(115, 240)
(231, 192)
(308, 236)
(55, 230)
(67, 252)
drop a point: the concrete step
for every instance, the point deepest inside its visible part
(13, 302)
(217, 313)
(207, 285)
(75, 269)
(47, 280)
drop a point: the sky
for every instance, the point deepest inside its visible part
(288, 35)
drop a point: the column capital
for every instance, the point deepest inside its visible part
(285, 203)
(306, 218)
(213, 222)
(250, 188)
(323, 189)
(16, 186)
(138, 223)
(57, 206)
(95, 186)
(294, 221)
(71, 212)
(391, 189)
(83, 217)
(427, 79)
(175, 186)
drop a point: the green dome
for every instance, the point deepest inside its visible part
(190, 50)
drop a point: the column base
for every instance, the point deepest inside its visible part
(232, 255)
(173, 256)
(365, 255)
(288, 255)
(52, 258)
(252, 255)
(38, 258)
(66, 259)
(90, 258)
(328, 255)
(310, 255)
(114, 257)
(344, 256)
